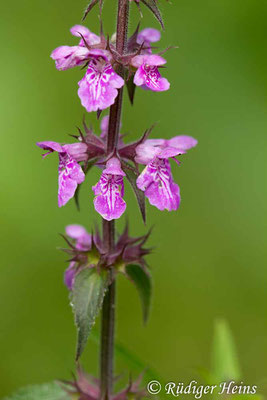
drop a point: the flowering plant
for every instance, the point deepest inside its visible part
(110, 63)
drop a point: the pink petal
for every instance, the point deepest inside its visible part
(98, 88)
(157, 183)
(109, 192)
(69, 56)
(75, 231)
(145, 152)
(51, 146)
(149, 59)
(169, 152)
(149, 77)
(90, 37)
(70, 175)
(69, 276)
(182, 142)
(113, 167)
(148, 35)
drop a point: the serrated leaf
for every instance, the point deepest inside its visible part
(131, 89)
(91, 4)
(225, 365)
(46, 391)
(88, 294)
(152, 6)
(140, 196)
(142, 282)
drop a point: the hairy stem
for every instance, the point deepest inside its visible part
(108, 312)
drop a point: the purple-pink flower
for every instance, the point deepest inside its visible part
(146, 37)
(70, 173)
(98, 89)
(109, 191)
(71, 56)
(83, 242)
(156, 180)
(147, 75)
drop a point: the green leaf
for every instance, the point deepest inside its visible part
(88, 294)
(131, 89)
(140, 196)
(47, 391)
(152, 6)
(143, 284)
(225, 366)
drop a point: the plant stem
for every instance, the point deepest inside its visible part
(108, 312)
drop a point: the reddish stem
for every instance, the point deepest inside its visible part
(108, 312)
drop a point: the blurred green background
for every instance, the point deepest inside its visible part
(210, 256)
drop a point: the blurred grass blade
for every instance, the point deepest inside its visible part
(88, 294)
(225, 366)
(46, 391)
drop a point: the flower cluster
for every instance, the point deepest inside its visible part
(98, 89)
(156, 180)
(89, 251)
